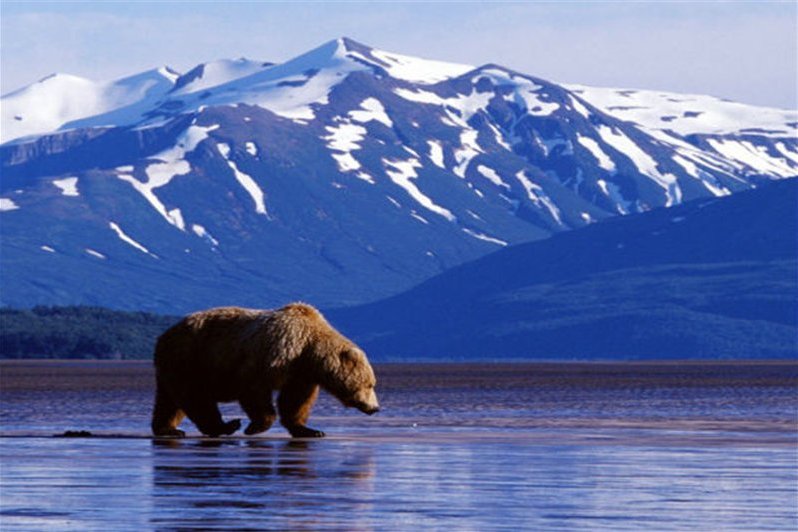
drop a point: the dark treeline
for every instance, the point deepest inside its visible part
(79, 332)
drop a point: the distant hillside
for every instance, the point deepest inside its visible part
(709, 279)
(79, 332)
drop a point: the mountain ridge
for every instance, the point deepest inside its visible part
(341, 176)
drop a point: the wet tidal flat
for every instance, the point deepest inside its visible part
(469, 446)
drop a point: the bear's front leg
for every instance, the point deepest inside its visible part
(295, 402)
(259, 408)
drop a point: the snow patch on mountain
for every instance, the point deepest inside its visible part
(483, 236)
(371, 109)
(538, 196)
(687, 114)
(160, 174)
(173, 159)
(579, 108)
(468, 150)
(203, 233)
(756, 157)
(418, 217)
(593, 147)
(419, 96)
(7, 204)
(613, 192)
(419, 70)
(245, 180)
(459, 109)
(525, 94)
(128, 240)
(532, 103)
(643, 161)
(791, 155)
(67, 185)
(402, 173)
(286, 101)
(344, 138)
(347, 132)
(706, 179)
(498, 136)
(549, 145)
(436, 153)
(491, 175)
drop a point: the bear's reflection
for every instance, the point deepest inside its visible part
(229, 476)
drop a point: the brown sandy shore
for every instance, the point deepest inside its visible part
(85, 375)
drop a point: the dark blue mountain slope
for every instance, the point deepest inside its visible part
(711, 278)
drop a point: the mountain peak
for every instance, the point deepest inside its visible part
(352, 45)
(404, 67)
(62, 77)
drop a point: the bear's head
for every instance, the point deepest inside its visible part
(327, 356)
(351, 379)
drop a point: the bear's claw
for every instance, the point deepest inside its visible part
(305, 432)
(225, 429)
(231, 426)
(256, 428)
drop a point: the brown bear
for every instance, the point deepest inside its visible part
(235, 354)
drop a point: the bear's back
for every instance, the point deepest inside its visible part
(241, 343)
(215, 336)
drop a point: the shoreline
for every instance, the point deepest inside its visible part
(455, 362)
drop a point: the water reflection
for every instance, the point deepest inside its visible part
(458, 480)
(274, 483)
(454, 480)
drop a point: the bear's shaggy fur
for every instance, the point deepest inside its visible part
(235, 354)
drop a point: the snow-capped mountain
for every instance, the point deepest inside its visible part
(340, 176)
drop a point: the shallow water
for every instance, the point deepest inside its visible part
(474, 447)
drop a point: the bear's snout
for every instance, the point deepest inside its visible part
(366, 402)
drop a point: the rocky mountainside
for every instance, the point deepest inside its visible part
(341, 176)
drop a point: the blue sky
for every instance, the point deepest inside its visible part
(745, 51)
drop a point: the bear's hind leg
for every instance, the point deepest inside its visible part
(260, 410)
(166, 415)
(295, 401)
(205, 414)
